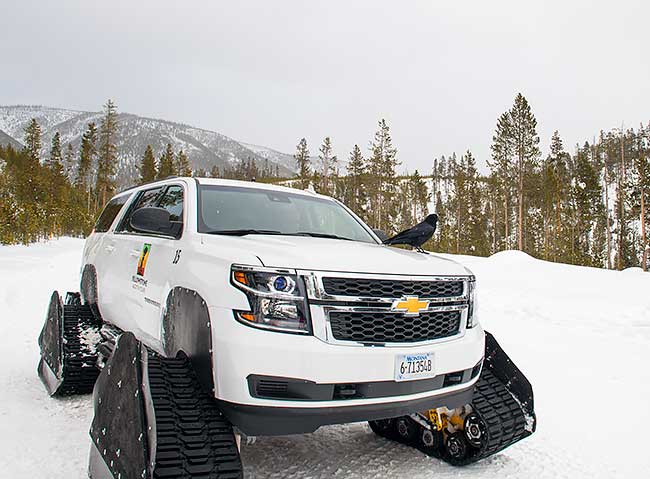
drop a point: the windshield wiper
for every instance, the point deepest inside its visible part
(321, 235)
(244, 232)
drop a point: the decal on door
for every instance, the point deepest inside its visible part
(144, 256)
(177, 257)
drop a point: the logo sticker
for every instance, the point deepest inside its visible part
(410, 306)
(144, 256)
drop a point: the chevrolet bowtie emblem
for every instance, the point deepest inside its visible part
(409, 305)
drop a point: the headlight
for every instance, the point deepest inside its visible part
(276, 297)
(472, 317)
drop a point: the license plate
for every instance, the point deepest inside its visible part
(414, 366)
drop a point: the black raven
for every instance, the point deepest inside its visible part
(418, 235)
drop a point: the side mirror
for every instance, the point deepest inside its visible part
(381, 234)
(152, 220)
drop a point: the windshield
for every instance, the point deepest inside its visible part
(234, 210)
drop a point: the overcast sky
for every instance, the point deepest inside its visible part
(271, 72)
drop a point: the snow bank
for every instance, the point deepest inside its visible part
(581, 335)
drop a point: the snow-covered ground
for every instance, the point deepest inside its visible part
(581, 335)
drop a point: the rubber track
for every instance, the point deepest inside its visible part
(80, 369)
(503, 417)
(193, 438)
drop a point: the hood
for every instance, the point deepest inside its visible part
(322, 254)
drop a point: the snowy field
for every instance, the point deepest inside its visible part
(581, 336)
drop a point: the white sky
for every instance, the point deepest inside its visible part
(271, 72)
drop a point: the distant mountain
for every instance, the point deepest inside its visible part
(8, 140)
(204, 148)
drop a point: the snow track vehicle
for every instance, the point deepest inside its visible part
(215, 310)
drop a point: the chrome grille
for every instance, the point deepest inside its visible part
(385, 288)
(389, 327)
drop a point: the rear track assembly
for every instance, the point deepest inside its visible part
(500, 414)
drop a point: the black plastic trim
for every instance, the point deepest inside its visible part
(291, 389)
(277, 421)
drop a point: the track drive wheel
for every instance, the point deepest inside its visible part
(456, 447)
(406, 428)
(474, 429)
(431, 440)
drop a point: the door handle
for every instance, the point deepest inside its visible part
(135, 253)
(110, 248)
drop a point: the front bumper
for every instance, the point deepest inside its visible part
(240, 352)
(275, 421)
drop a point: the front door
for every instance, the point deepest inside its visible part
(165, 255)
(151, 259)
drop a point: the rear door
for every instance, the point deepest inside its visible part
(100, 251)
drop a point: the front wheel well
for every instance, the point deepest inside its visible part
(186, 328)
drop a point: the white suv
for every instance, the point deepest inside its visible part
(291, 313)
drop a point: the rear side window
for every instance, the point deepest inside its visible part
(109, 214)
(146, 198)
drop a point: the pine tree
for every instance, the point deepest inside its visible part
(166, 163)
(107, 154)
(642, 191)
(214, 172)
(302, 159)
(382, 166)
(555, 200)
(501, 167)
(86, 163)
(56, 185)
(55, 161)
(356, 196)
(475, 228)
(439, 239)
(587, 194)
(147, 167)
(525, 145)
(33, 141)
(69, 166)
(420, 197)
(183, 167)
(404, 199)
(328, 167)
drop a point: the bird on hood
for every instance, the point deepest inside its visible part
(417, 235)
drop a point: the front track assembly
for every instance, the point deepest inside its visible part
(153, 420)
(500, 414)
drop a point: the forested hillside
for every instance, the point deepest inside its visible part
(203, 148)
(585, 205)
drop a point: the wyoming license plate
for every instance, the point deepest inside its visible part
(413, 366)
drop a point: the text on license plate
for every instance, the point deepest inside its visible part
(414, 366)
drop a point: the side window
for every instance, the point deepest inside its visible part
(172, 201)
(109, 214)
(145, 198)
